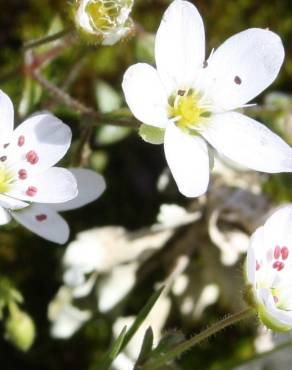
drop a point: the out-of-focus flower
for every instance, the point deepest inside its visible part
(103, 21)
(27, 157)
(269, 270)
(66, 319)
(194, 100)
(44, 219)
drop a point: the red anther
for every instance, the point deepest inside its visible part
(31, 191)
(281, 266)
(277, 252)
(276, 299)
(32, 157)
(21, 140)
(257, 266)
(41, 217)
(237, 80)
(284, 253)
(22, 174)
(276, 265)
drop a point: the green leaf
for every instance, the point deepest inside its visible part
(169, 341)
(107, 98)
(112, 354)
(111, 134)
(141, 317)
(151, 134)
(146, 347)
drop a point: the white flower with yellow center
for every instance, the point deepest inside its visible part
(191, 101)
(27, 157)
(105, 21)
(269, 270)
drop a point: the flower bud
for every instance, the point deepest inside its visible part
(20, 329)
(269, 271)
(103, 21)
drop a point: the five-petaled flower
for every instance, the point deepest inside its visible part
(27, 157)
(269, 270)
(44, 219)
(194, 99)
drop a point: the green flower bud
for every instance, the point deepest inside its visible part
(103, 21)
(20, 329)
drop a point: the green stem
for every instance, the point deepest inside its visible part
(181, 348)
(46, 39)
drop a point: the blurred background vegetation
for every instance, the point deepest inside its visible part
(93, 75)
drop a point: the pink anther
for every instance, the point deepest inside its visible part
(276, 299)
(22, 174)
(277, 252)
(32, 157)
(284, 253)
(21, 140)
(41, 217)
(31, 191)
(257, 266)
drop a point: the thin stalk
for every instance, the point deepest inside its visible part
(181, 348)
(47, 39)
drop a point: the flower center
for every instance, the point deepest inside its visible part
(6, 179)
(103, 14)
(187, 109)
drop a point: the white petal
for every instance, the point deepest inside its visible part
(11, 203)
(44, 134)
(243, 66)
(6, 117)
(56, 185)
(180, 45)
(281, 320)
(254, 253)
(145, 95)
(43, 221)
(248, 143)
(90, 186)
(4, 216)
(277, 229)
(188, 160)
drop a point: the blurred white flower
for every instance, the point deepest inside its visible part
(44, 220)
(194, 100)
(269, 270)
(104, 21)
(66, 319)
(27, 157)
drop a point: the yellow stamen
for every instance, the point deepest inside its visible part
(103, 14)
(186, 109)
(6, 179)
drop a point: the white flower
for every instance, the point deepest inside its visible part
(27, 155)
(193, 100)
(269, 270)
(106, 21)
(44, 220)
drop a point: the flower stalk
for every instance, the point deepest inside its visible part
(181, 348)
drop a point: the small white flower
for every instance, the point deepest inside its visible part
(27, 157)
(193, 100)
(269, 270)
(104, 21)
(44, 219)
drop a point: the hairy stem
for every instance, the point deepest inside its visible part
(181, 348)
